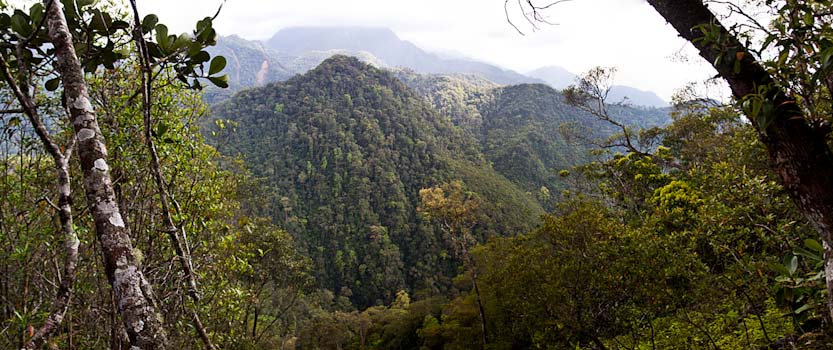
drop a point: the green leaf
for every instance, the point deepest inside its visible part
(203, 24)
(221, 81)
(209, 37)
(780, 269)
(149, 22)
(69, 9)
(161, 129)
(181, 41)
(200, 57)
(217, 65)
(154, 50)
(36, 12)
(194, 47)
(91, 66)
(20, 24)
(52, 84)
(162, 37)
(5, 20)
(809, 19)
(766, 115)
(768, 42)
(803, 308)
(808, 254)
(826, 55)
(97, 22)
(782, 58)
(814, 245)
(792, 265)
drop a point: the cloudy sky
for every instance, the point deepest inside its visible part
(627, 34)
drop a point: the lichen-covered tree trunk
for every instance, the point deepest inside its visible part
(798, 152)
(132, 292)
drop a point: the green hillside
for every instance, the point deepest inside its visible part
(343, 151)
(527, 132)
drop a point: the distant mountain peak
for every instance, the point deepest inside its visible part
(633, 96)
(555, 76)
(387, 47)
(344, 30)
(560, 78)
(297, 40)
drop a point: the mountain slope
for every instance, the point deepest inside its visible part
(456, 96)
(527, 132)
(343, 151)
(250, 64)
(523, 135)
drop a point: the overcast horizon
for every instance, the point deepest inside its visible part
(626, 34)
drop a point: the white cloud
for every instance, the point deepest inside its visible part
(627, 34)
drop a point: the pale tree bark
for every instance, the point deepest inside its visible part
(131, 290)
(798, 152)
(20, 89)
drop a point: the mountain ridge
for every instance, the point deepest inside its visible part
(389, 48)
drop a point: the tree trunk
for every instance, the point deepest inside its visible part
(798, 153)
(132, 292)
(481, 311)
(62, 179)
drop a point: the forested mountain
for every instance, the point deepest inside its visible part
(526, 135)
(528, 132)
(343, 151)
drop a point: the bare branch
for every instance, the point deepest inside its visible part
(531, 12)
(156, 167)
(509, 19)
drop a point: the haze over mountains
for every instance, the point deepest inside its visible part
(560, 78)
(297, 50)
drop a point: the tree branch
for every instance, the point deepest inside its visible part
(71, 243)
(156, 169)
